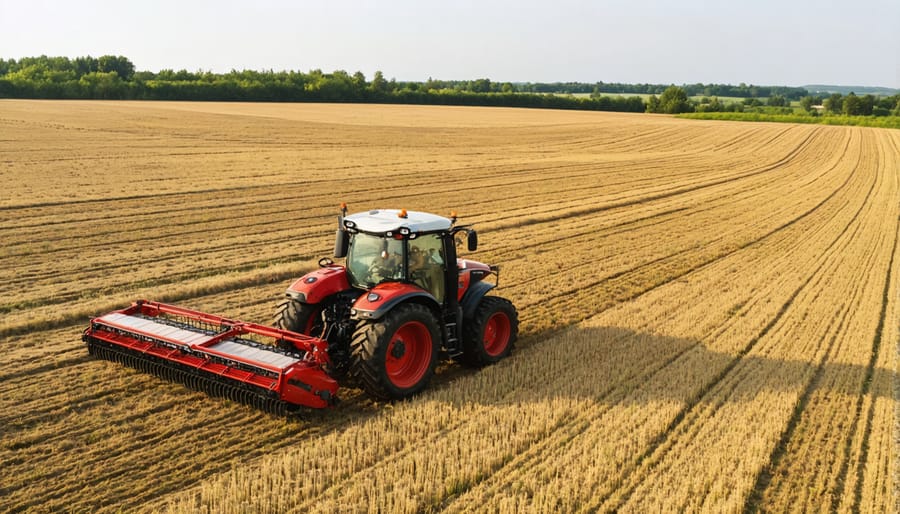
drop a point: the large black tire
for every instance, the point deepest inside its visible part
(307, 319)
(491, 333)
(394, 358)
(300, 317)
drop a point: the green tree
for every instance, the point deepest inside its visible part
(834, 103)
(674, 100)
(119, 65)
(379, 85)
(480, 86)
(102, 86)
(866, 105)
(778, 101)
(752, 102)
(851, 105)
(807, 103)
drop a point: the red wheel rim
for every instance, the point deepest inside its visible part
(408, 354)
(496, 334)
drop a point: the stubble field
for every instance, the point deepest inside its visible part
(710, 311)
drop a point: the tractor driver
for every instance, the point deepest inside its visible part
(426, 264)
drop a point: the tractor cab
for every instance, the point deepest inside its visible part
(398, 246)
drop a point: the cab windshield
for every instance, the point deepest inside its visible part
(372, 260)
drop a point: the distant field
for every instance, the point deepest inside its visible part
(709, 309)
(723, 99)
(799, 116)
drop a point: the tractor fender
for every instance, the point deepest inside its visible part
(473, 296)
(387, 295)
(319, 284)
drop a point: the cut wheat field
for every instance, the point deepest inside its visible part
(710, 311)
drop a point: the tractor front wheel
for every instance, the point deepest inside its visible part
(300, 317)
(491, 333)
(394, 358)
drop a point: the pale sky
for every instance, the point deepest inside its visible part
(763, 42)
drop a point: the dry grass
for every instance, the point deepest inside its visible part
(709, 309)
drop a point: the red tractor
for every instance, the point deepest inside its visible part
(401, 301)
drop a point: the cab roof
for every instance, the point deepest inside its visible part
(381, 221)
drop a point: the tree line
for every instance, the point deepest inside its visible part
(115, 77)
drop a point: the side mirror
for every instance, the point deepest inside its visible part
(341, 242)
(472, 240)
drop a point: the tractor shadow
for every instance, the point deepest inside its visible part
(615, 365)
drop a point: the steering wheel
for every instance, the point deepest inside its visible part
(377, 268)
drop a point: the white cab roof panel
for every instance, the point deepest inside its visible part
(388, 220)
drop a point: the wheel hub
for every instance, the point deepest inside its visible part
(398, 349)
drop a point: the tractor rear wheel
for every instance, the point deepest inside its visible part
(394, 358)
(491, 333)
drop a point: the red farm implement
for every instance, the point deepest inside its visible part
(269, 368)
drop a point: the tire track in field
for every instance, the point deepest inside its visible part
(663, 195)
(867, 384)
(562, 295)
(659, 442)
(538, 455)
(658, 445)
(870, 413)
(758, 494)
(627, 225)
(858, 490)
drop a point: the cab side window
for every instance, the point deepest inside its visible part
(426, 264)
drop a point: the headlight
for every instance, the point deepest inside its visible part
(373, 297)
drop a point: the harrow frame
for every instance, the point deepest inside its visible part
(271, 369)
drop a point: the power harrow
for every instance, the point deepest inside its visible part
(271, 369)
